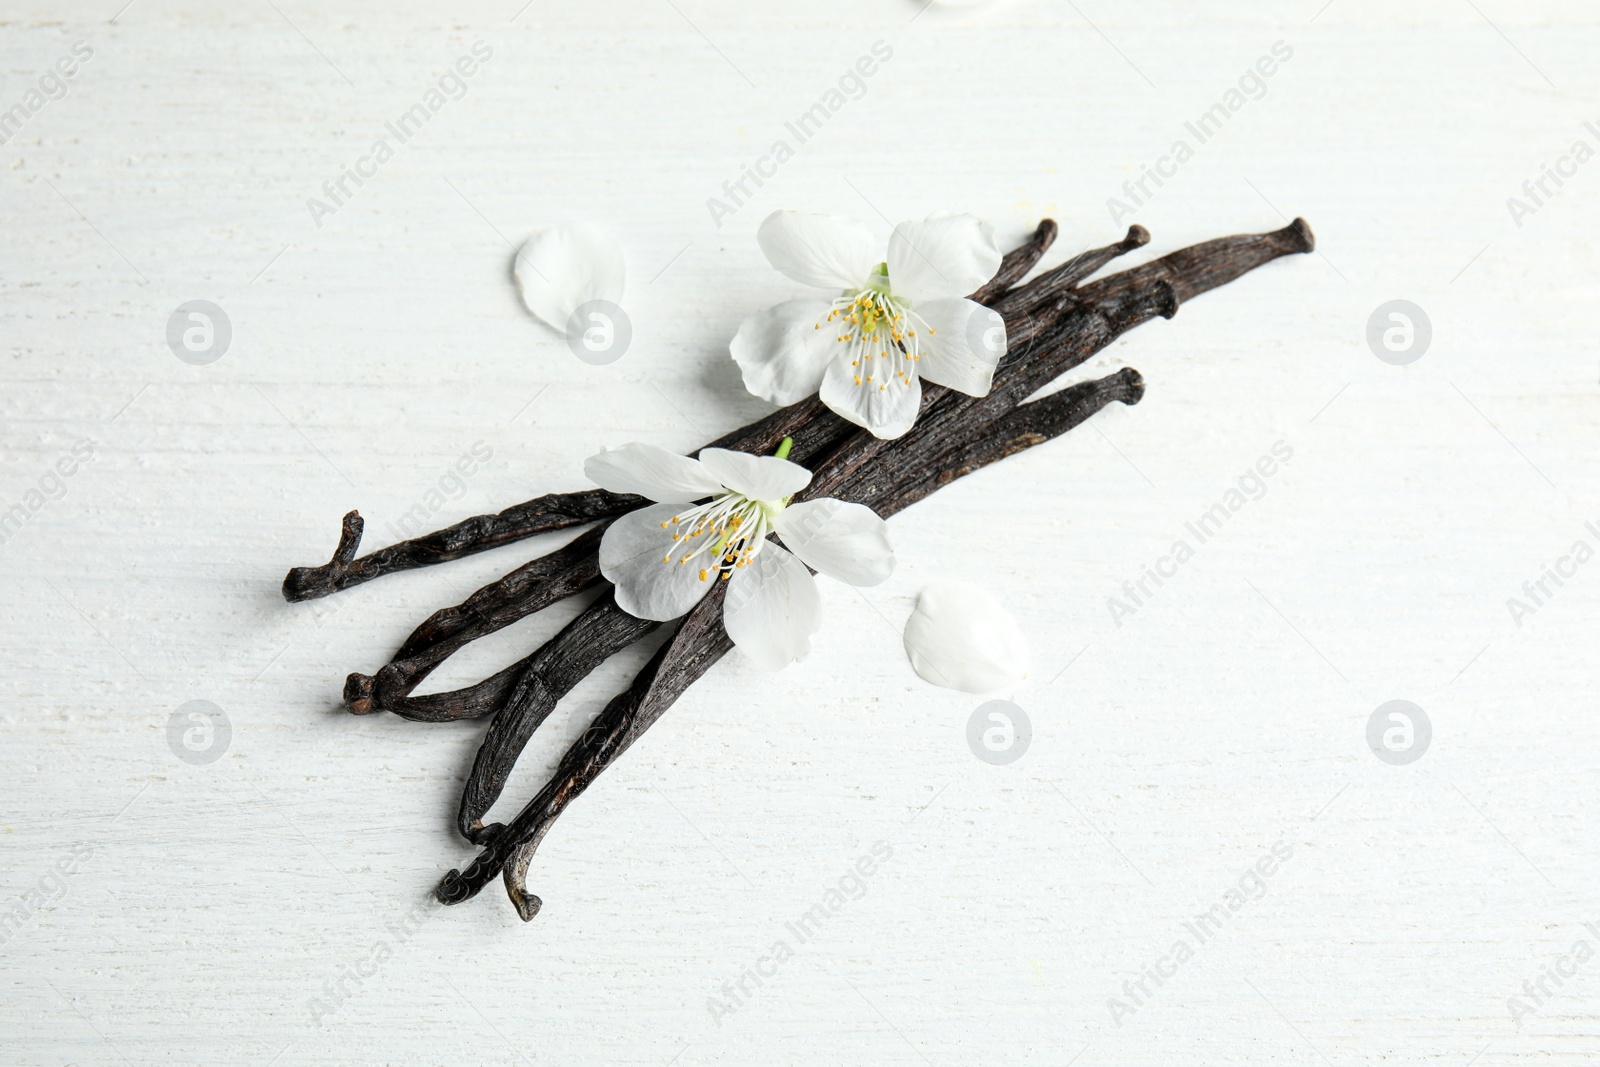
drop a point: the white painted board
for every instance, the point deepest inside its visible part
(254, 909)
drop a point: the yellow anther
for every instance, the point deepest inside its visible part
(702, 574)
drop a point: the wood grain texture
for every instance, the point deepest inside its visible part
(226, 912)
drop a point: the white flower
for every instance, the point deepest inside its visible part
(961, 637)
(561, 269)
(663, 559)
(898, 320)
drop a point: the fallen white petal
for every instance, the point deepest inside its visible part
(960, 637)
(566, 266)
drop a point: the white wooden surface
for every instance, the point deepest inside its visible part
(219, 902)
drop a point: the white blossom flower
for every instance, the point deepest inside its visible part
(895, 322)
(664, 558)
(960, 637)
(569, 267)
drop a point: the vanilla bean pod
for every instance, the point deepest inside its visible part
(1052, 325)
(1200, 268)
(554, 511)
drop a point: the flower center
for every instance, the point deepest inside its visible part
(879, 333)
(722, 535)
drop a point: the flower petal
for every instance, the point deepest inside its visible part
(565, 266)
(783, 350)
(650, 471)
(631, 554)
(827, 251)
(888, 413)
(757, 477)
(942, 257)
(961, 638)
(844, 541)
(965, 341)
(772, 609)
